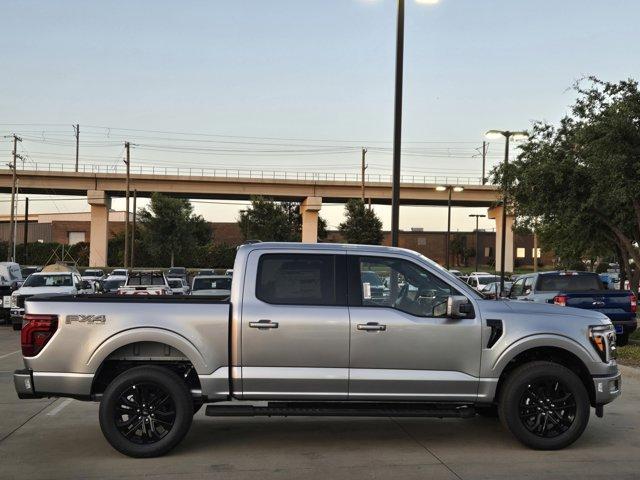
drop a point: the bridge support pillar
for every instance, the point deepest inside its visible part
(99, 238)
(310, 209)
(495, 213)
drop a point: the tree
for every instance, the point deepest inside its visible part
(577, 182)
(268, 220)
(170, 229)
(361, 225)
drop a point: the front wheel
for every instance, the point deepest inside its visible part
(146, 411)
(544, 405)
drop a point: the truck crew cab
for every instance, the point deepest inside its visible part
(305, 332)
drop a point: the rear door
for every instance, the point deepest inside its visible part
(295, 326)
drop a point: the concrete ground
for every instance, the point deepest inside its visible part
(62, 439)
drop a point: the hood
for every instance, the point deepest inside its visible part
(524, 307)
(46, 290)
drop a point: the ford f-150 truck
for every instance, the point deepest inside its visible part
(581, 290)
(303, 334)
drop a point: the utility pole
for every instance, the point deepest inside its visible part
(364, 167)
(15, 225)
(126, 221)
(133, 229)
(484, 162)
(397, 128)
(26, 231)
(16, 139)
(76, 129)
(535, 249)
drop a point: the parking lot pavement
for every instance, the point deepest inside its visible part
(62, 439)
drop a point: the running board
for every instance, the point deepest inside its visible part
(342, 409)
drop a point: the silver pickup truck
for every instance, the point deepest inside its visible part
(305, 333)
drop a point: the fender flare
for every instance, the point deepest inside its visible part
(147, 334)
(539, 341)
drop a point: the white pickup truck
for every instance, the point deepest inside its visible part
(304, 333)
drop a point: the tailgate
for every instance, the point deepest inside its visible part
(615, 305)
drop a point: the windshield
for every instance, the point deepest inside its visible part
(177, 270)
(120, 273)
(488, 279)
(112, 284)
(569, 283)
(212, 284)
(49, 281)
(93, 273)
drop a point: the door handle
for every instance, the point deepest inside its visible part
(371, 327)
(263, 324)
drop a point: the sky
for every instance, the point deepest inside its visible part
(297, 85)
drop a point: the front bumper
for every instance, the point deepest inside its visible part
(607, 388)
(23, 382)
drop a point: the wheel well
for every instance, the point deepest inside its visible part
(549, 354)
(144, 353)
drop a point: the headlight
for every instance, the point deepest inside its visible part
(603, 339)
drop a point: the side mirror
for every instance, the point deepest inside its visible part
(458, 306)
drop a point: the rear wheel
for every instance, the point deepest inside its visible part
(544, 405)
(146, 411)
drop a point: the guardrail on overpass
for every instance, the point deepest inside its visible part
(252, 173)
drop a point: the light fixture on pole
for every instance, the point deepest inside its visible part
(477, 217)
(450, 189)
(507, 134)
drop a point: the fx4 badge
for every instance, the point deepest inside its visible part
(90, 319)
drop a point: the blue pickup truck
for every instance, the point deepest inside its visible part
(580, 290)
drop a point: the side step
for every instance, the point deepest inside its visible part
(342, 409)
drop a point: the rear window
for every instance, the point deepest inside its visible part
(487, 280)
(49, 281)
(568, 283)
(212, 284)
(297, 279)
(146, 280)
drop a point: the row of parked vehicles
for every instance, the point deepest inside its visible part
(584, 290)
(64, 279)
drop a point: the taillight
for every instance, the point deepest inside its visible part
(634, 303)
(37, 330)
(560, 300)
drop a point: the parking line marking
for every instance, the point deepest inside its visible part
(59, 408)
(9, 354)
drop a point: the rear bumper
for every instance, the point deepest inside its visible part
(628, 326)
(607, 388)
(23, 382)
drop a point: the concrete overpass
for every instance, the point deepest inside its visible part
(100, 183)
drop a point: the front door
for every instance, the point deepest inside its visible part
(403, 346)
(295, 326)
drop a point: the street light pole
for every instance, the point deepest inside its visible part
(448, 261)
(397, 128)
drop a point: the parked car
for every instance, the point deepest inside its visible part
(179, 286)
(50, 283)
(93, 274)
(26, 271)
(10, 280)
(457, 273)
(217, 286)
(145, 282)
(229, 272)
(299, 338)
(582, 290)
(177, 272)
(119, 273)
(492, 290)
(479, 280)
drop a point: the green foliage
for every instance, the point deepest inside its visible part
(602, 267)
(362, 225)
(577, 181)
(170, 230)
(271, 221)
(41, 253)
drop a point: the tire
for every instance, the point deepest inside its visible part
(157, 398)
(622, 339)
(531, 402)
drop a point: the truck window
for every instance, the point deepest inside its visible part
(297, 279)
(405, 286)
(516, 290)
(569, 282)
